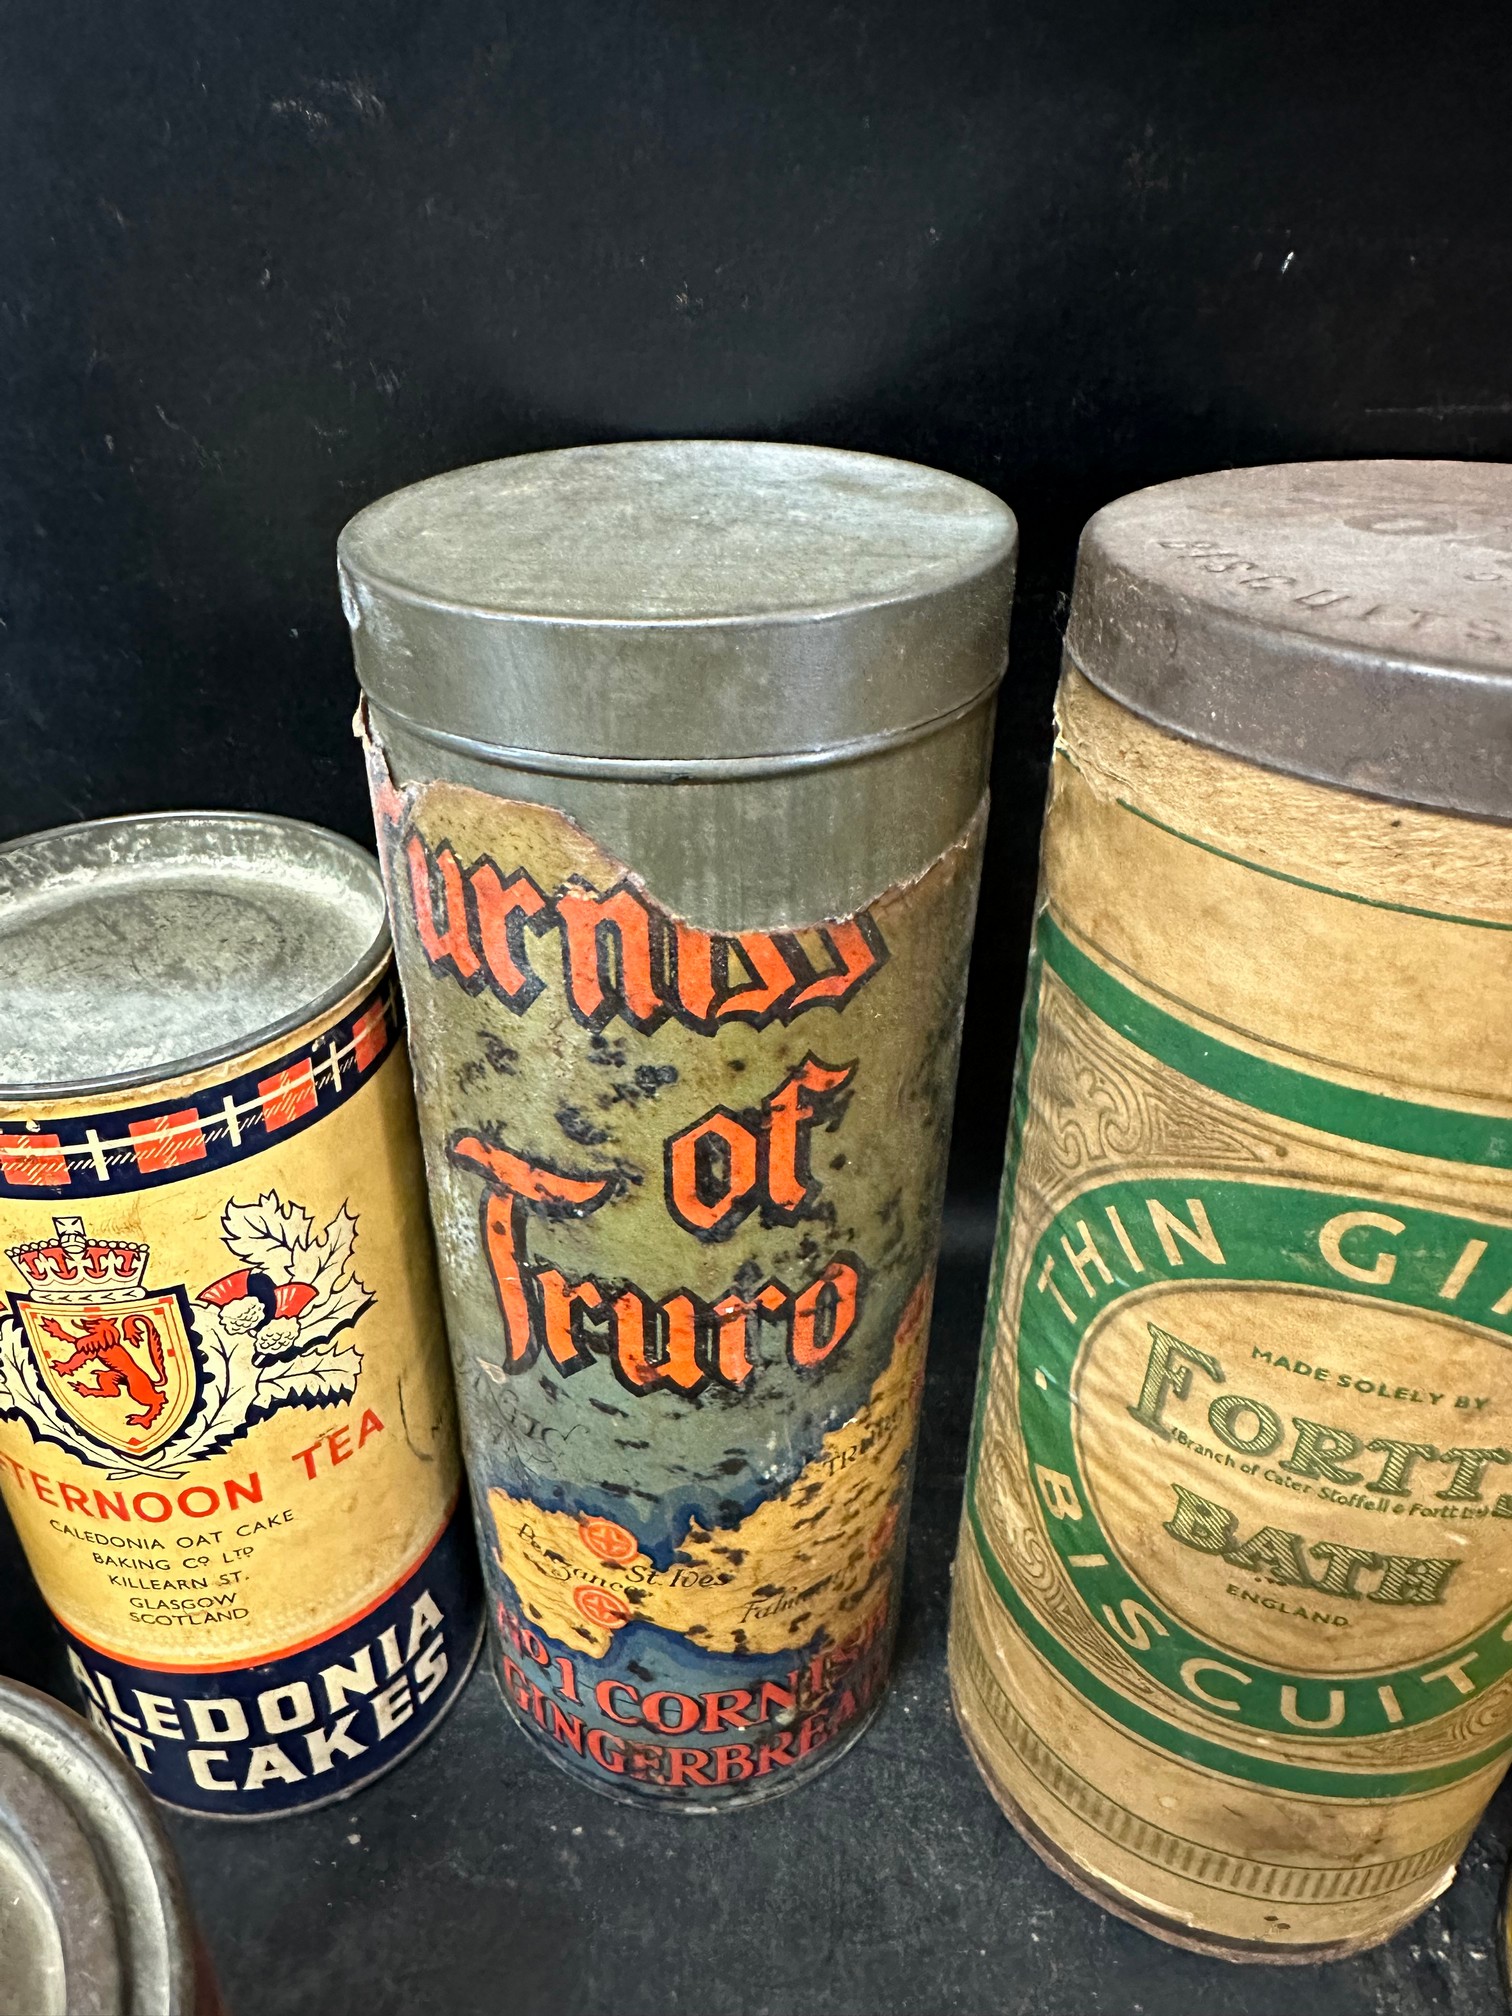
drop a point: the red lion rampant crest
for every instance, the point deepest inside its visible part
(106, 1343)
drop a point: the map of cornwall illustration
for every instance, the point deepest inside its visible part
(814, 1557)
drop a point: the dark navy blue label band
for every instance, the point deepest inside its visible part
(301, 1729)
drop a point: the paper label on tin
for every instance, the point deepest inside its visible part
(226, 1435)
(687, 1189)
(1241, 1475)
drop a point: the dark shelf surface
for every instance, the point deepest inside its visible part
(478, 1880)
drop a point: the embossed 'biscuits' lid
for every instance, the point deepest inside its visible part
(141, 948)
(1349, 622)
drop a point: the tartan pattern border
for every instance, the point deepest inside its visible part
(138, 1148)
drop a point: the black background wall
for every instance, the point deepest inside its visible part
(261, 263)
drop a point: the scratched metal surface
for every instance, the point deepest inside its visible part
(140, 947)
(478, 1879)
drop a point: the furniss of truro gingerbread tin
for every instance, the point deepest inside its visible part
(226, 1430)
(1233, 1616)
(679, 757)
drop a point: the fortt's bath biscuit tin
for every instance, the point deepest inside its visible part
(226, 1430)
(1233, 1610)
(679, 760)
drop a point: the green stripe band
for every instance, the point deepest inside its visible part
(1447, 1133)
(1273, 1772)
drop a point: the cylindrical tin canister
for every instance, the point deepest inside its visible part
(679, 755)
(93, 1916)
(227, 1436)
(1231, 1638)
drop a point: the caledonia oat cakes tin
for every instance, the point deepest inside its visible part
(226, 1428)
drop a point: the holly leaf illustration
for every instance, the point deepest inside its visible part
(332, 1252)
(22, 1390)
(269, 1235)
(318, 1377)
(337, 1312)
(12, 1376)
(340, 1297)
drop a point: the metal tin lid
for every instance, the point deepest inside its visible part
(680, 607)
(93, 1919)
(1349, 622)
(141, 948)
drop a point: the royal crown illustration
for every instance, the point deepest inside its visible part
(73, 1267)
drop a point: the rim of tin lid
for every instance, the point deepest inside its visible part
(1347, 622)
(675, 609)
(101, 1922)
(87, 947)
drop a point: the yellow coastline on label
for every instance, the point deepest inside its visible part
(817, 1555)
(1295, 1452)
(321, 1464)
